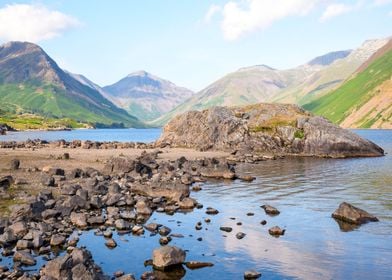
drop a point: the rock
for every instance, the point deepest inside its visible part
(79, 219)
(111, 243)
(57, 240)
(6, 182)
(270, 210)
(211, 211)
(14, 164)
(167, 256)
(121, 224)
(264, 128)
(163, 231)
(240, 235)
(126, 277)
(226, 229)
(75, 265)
(252, 274)
(53, 170)
(20, 229)
(353, 215)
(152, 227)
(263, 222)
(137, 229)
(24, 258)
(97, 220)
(187, 203)
(23, 245)
(197, 265)
(276, 231)
(65, 156)
(118, 273)
(119, 165)
(246, 178)
(142, 208)
(164, 240)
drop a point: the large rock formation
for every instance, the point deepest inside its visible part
(279, 129)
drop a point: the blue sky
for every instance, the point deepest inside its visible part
(191, 43)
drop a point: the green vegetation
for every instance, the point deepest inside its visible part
(28, 106)
(299, 134)
(354, 93)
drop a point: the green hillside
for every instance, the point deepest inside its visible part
(355, 93)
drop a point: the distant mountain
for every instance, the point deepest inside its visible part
(262, 83)
(145, 95)
(365, 99)
(32, 82)
(329, 58)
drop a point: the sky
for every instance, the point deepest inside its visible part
(191, 43)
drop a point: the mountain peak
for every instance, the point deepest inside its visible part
(260, 67)
(329, 58)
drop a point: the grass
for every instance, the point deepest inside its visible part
(299, 134)
(355, 92)
(54, 103)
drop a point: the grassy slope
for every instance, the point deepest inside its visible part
(355, 92)
(50, 101)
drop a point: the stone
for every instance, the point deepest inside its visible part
(126, 277)
(137, 229)
(270, 210)
(23, 244)
(14, 164)
(226, 229)
(96, 220)
(152, 227)
(79, 219)
(19, 229)
(263, 222)
(163, 231)
(111, 243)
(53, 170)
(197, 265)
(167, 256)
(211, 211)
(142, 208)
(121, 224)
(24, 258)
(240, 235)
(252, 274)
(187, 203)
(276, 231)
(246, 178)
(353, 215)
(164, 240)
(57, 240)
(6, 182)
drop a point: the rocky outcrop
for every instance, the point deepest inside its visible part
(77, 265)
(352, 215)
(167, 256)
(279, 129)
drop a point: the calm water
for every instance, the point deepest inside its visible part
(306, 191)
(120, 135)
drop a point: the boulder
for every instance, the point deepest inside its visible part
(6, 182)
(270, 210)
(276, 231)
(167, 256)
(14, 164)
(24, 258)
(79, 219)
(281, 129)
(353, 215)
(252, 274)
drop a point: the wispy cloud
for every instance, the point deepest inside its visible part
(212, 11)
(33, 23)
(335, 10)
(247, 16)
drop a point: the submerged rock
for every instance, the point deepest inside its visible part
(281, 129)
(353, 215)
(276, 231)
(252, 274)
(270, 210)
(197, 265)
(167, 256)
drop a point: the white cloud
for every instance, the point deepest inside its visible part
(250, 15)
(335, 10)
(33, 23)
(214, 9)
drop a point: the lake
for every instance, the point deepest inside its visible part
(306, 191)
(102, 135)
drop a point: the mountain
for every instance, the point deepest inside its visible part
(32, 82)
(329, 58)
(262, 83)
(328, 77)
(365, 99)
(145, 95)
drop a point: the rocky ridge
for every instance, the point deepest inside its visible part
(277, 129)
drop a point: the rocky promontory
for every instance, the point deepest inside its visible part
(278, 129)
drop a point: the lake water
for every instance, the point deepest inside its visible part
(306, 191)
(102, 135)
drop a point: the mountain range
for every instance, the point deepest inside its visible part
(262, 83)
(350, 87)
(32, 82)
